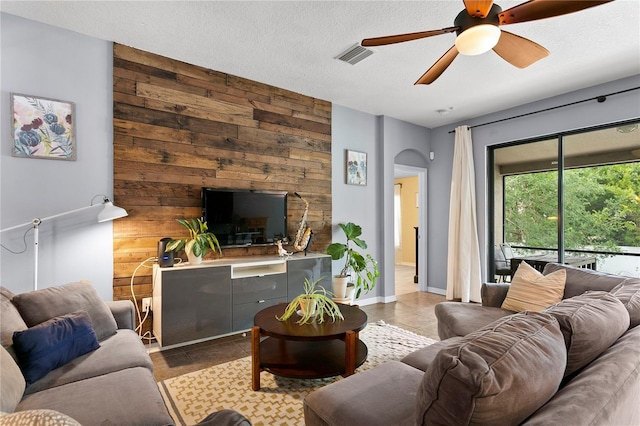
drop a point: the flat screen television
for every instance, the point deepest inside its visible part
(245, 217)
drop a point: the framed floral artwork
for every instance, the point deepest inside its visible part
(356, 168)
(43, 128)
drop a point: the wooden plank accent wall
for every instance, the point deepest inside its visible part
(179, 127)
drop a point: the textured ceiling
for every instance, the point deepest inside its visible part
(292, 44)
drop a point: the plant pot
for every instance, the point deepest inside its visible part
(307, 305)
(339, 286)
(194, 260)
(351, 292)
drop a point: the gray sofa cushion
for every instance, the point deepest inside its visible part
(422, 358)
(628, 292)
(10, 319)
(384, 395)
(120, 351)
(460, 319)
(127, 397)
(605, 392)
(500, 374)
(580, 280)
(40, 305)
(590, 323)
(12, 383)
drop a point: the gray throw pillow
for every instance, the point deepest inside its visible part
(581, 280)
(590, 323)
(41, 305)
(498, 375)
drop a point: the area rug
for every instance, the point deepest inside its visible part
(192, 396)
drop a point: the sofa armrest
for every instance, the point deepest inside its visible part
(124, 313)
(493, 294)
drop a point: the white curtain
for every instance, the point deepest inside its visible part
(463, 264)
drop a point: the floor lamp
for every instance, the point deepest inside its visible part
(109, 212)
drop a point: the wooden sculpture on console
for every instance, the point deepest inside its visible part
(303, 236)
(281, 251)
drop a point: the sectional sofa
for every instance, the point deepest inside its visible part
(576, 362)
(67, 357)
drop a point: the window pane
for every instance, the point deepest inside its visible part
(600, 215)
(529, 204)
(531, 210)
(602, 197)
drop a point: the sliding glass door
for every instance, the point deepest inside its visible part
(572, 198)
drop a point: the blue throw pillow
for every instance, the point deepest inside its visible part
(53, 343)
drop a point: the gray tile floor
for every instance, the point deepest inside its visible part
(413, 311)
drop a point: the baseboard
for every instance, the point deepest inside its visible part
(389, 299)
(436, 290)
(373, 300)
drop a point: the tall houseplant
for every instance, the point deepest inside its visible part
(361, 268)
(200, 240)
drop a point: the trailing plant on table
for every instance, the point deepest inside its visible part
(313, 294)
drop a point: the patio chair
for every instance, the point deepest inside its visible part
(507, 251)
(502, 265)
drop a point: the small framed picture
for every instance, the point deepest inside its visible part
(43, 128)
(356, 168)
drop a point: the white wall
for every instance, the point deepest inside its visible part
(41, 60)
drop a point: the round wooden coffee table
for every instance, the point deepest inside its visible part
(308, 351)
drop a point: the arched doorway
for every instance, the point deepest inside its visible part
(419, 200)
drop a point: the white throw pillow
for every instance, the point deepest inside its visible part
(532, 291)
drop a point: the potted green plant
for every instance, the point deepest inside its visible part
(200, 240)
(315, 305)
(362, 268)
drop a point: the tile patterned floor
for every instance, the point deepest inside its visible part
(412, 311)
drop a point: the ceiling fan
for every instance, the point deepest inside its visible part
(477, 27)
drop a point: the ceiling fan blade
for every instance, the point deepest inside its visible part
(478, 8)
(540, 9)
(399, 38)
(438, 68)
(519, 51)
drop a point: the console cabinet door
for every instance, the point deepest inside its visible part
(311, 268)
(244, 313)
(196, 304)
(252, 294)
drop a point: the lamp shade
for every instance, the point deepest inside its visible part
(111, 212)
(478, 39)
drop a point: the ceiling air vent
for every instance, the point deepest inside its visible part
(354, 54)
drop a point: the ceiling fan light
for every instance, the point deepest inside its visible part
(478, 39)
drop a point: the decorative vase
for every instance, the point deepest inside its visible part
(307, 305)
(193, 259)
(339, 286)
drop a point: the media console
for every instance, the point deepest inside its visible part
(193, 303)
